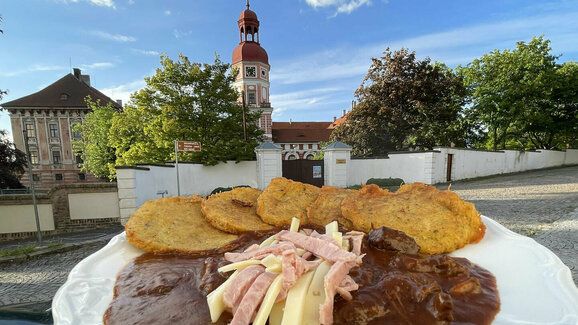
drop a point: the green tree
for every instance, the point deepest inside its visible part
(12, 163)
(93, 147)
(521, 96)
(404, 103)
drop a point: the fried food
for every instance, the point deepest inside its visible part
(284, 199)
(176, 225)
(327, 207)
(439, 221)
(234, 211)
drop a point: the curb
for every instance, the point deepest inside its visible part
(48, 251)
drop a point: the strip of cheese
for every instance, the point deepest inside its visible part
(268, 242)
(215, 298)
(295, 225)
(238, 265)
(315, 295)
(295, 301)
(268, 301)
(272, 264)
(276, 315)
(331, 227)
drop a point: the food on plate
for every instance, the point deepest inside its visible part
(327, 206)
(234, 211)
(304, 276)
(175, 225)
(439, 221)
(284, 199)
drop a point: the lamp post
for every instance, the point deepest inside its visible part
(32, 189)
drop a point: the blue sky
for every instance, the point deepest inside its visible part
(319, 50)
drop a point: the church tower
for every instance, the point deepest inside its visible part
(252, 62)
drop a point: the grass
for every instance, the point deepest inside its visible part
(27, 249)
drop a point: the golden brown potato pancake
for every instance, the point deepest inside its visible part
(439, 221)
(234, 211)
(327, 207)
(175, 225)
(284, 199)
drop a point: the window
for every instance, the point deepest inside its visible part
(301, 146)
(58, 177)
(75, 133)
(34, 157)
(63, 96)
(250, 72)
(310, 146)
(53, 130)
(78, 159)
(309, 157)
(292, 157)
(56, 157)
(82, 176)
(35, 177)
(263, 73)
(251, 97)
(30, 130)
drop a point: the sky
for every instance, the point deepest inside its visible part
(319, 50)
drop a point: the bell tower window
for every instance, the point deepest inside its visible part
(252, 97)
(250, 72)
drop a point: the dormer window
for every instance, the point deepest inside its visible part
(64, 96)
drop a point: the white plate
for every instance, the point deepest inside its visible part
(535, 286)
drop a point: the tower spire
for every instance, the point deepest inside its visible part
(248, 4)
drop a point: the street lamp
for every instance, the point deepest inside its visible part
(32, 189)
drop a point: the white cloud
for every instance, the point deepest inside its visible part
(456, 46)
(341, 6)
(124, 91)
(181, 33)
(34, 68)
(97, 65)
(167, 12)
(146, 52)
(113, 37)
(99, 3)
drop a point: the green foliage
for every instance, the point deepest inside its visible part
(181, 101)
(225, 189)
(22, 250)
(386, 182)
(319, 155)
(12, 163)
(404, 103)
(522, 98)
(97, 155)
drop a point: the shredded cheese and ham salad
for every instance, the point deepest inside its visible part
(291, 278)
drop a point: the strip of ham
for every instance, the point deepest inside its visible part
(235, 292)
(294, 266)
(332, 280)
(252, 299)
(346, 286)
(356, 239)
(319, 247)
(259, 253)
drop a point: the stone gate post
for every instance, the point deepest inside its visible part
(336, 159)
(269, 163)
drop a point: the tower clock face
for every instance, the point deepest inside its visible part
(250, 72)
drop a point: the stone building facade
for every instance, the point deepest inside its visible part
(48, 117)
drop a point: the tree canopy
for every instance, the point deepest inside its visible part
(404, 102)
(181, 101)
(12, 163)
(523, 98)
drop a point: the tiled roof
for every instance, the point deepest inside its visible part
(296, 132)
(52, 96)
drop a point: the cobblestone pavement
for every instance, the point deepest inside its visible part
(541, 204)
(38, 279)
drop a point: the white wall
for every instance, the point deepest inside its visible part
(571, 157)
(194, 179)
(93, 205)
(20, 218)
(411, 167)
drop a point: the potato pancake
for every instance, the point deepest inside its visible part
(327, 207)
(284, 199)
(176, 225)
(234, 211)
(439, 221)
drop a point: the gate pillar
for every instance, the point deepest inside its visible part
(268, 163)
(336, 159)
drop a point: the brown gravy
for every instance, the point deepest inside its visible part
(395, 288)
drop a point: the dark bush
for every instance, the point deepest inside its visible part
(226, 189)
(386, 182)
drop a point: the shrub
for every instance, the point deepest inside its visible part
(386, 182)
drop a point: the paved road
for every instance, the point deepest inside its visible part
(541, 204)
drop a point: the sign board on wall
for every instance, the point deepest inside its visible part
(340, 161)
(188, 146)
(317, 172)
